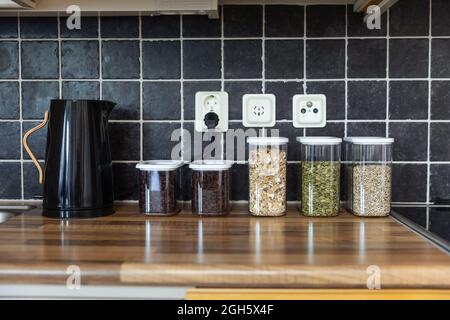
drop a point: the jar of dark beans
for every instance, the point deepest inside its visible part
(210, 187)
(159, 187)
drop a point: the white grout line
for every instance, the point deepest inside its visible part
(230, 80)
(346, 73)
(141, 94)
(182, 86)
(305, 86)
(232, 38)
(22, 182)
(429, 105)
(388, 15)
(100, 66)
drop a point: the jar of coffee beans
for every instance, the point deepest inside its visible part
(159, 187)
(211, 187)
(320, 176)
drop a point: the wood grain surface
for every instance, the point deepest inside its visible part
(233, 251)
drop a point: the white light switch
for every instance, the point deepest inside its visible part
(309, 111)
(258, 110)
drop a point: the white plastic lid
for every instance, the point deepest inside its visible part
(369, 140)
(319, 140)
(159, 165)
(210, 165)
(267, 140)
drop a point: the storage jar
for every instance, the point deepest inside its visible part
(267, 175)
(211, 187)
(320, 176)
(370, 174)
(159, 187)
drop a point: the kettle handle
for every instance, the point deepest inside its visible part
(27, 148)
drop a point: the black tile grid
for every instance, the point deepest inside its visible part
(234, 63)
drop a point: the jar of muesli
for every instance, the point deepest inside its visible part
(267, 176)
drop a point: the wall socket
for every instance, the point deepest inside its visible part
(211, 111)
(258, 110)
(309, 111)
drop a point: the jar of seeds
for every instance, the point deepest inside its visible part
(159, 187)
(371, 176)
(211, 187)
(267, 176)
(320, 176)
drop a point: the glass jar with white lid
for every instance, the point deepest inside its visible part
(267, 165)
(369, 176)
(320, 176)
(211, 180)
(159, 187)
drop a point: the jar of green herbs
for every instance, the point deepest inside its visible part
(320, 176)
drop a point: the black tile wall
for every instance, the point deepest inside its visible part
(408, 58)
(410, 18)
(362, 129)
(79, 59)
(119, 27)
(10, 185)
(89, 28)
(40, 60)
(335, 93)
(236, 89)
(325, 21)
(161, 101)
(242, 59)
(161, 60)
(9, 64)
(440, 18)
(408, 100)
(8, 27)
(367, 58)
(325, 59)
(127, 97)
(395, 84)
(10, 142)
(202, 59)
(356, 27)
(161, 27)
(284, 21)
(120, 59)
(284, 91)
(242, 21)
(284, 59)
(36, 98)
(440, 57)
(440, 97)
(439, 181)
(89, 90)
(9, 100)
(38, 27)
(201, 27)
(366, 100)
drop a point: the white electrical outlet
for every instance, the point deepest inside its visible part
(211, 111)
(258, 110)
(309, 111)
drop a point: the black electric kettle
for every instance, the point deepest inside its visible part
(77, 176)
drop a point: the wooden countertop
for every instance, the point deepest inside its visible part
(234, 251)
